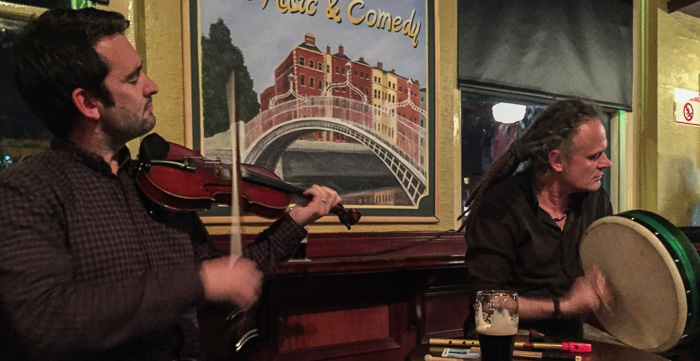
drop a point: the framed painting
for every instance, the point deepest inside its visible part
(334, 92)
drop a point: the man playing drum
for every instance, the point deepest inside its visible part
(523, 230)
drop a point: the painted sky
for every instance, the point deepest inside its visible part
(266, 36)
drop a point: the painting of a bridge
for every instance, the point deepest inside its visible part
(324, 116)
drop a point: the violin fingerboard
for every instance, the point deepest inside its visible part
(261, 179)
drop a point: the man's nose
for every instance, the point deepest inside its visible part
(604, 162)
(150, 87)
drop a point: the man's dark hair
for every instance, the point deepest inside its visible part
(554, 128)
(55, 55)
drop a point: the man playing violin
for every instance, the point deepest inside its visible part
(86, 273)
(524, 228)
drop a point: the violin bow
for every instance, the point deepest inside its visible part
(236, 246)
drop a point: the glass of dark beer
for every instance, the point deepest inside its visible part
(496, 323)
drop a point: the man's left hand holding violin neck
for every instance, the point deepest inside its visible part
(323, 199)
(249, 271)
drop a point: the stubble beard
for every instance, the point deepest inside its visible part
(134, 129)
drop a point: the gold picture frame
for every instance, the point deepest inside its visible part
(424, 207)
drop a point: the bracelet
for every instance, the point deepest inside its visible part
(557, 308)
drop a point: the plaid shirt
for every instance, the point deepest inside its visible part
(87, 273)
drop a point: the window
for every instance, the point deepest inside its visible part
(337, 69)
(311, 63)
(301, 80)
(311, 82)
(301, 60)
(21, 133)
(484, 139)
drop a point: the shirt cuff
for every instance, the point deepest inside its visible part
(189, 288)
(294, 228)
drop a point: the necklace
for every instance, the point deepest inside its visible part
(557, 219)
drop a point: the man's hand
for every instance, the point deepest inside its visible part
(587, 294)
(230, 279)
(322, 201)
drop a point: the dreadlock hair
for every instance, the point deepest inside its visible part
(553, 129)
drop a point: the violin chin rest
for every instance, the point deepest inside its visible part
(153, 146)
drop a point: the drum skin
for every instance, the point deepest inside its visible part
(652, 270)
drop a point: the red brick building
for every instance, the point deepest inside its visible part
(313, 70)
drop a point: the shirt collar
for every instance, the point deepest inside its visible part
(524, 180)
(90, 159)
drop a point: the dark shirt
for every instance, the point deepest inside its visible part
(515, 245)
(87, 273)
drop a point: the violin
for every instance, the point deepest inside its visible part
(181, 179)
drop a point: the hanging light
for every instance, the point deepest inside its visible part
(508, 113)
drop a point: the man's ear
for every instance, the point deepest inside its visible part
(556, 159)
(87, 104)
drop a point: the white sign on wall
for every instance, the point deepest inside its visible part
(686, 107)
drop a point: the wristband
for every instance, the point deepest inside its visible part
(557, 308)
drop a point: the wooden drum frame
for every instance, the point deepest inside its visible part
(652, 270)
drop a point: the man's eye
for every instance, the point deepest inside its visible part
(134, 78)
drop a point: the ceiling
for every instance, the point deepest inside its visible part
(690, 7)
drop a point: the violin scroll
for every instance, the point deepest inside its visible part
(347, 217)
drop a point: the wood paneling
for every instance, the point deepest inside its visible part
(358, 244)
(359, 297)
(333, 328)
(445, 312)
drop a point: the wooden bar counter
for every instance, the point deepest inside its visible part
(357, 296)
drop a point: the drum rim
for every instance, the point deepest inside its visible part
(663, 235)
(620, 327)
(681, 250)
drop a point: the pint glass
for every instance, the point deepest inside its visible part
(496, 323)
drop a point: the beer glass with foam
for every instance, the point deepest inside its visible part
(496, 323)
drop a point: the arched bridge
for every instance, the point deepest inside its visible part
(271, 132)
